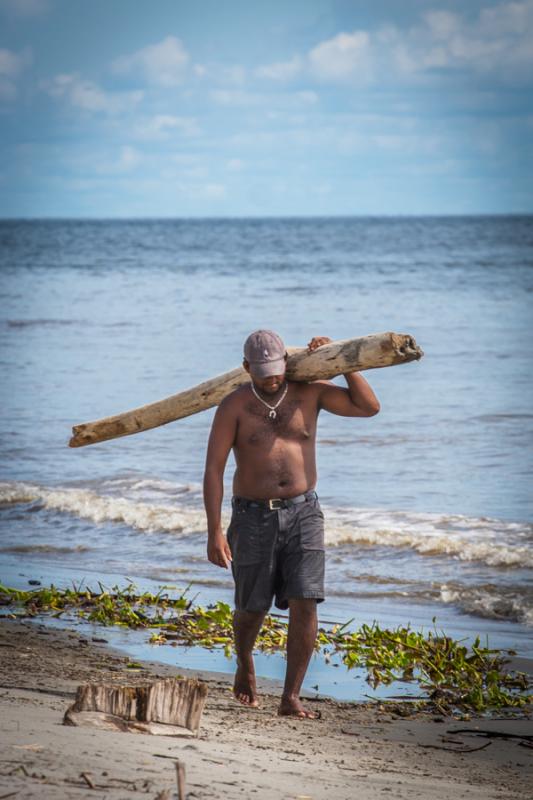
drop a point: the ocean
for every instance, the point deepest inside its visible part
(429, 507)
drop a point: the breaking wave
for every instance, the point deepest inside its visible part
(490, 601)
(152, 505)
(503, 602)
(496, 543)
(98, 508)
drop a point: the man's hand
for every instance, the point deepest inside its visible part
(317, 341)
(218, 551)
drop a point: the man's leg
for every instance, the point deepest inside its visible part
(300, 645)
(246, 626)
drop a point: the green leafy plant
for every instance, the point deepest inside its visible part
(453, 675)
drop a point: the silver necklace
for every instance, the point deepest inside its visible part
(272, 413)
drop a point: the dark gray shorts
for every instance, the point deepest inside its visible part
(276, 553)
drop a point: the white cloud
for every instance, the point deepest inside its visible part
(163, 64)
(345, 56)
(497, 44)
(88, 96)
(11, 66)
(237, 97)
(127, 160)
(166, 126)
(235, 165)
(507, 18)
(24, 8)
(215, 190)
(307, 98)
(281, 70)
(235, 75)
(442, 24)
(222, 74)
(190, 166)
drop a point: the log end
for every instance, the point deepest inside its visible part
(77, 440)
(406, 348)
(100, 431)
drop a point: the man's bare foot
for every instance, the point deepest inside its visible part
(244, 687)
(292, 707)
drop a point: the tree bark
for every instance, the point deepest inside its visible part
(348, 355)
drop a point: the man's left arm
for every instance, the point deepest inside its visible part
(358, 400)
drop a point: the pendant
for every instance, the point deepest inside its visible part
(272, 414)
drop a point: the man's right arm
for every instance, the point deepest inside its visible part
(221, 440)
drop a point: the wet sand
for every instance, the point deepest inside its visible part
(355, 750)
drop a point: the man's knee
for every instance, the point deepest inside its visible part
(303, 606)
(248, 619)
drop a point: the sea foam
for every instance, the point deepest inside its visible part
(497, 543)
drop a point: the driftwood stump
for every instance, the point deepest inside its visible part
(169, 707)
(349, 355)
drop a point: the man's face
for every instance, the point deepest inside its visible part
(269, 385)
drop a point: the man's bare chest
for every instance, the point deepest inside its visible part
(294, 422)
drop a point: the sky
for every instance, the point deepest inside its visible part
(174, 108)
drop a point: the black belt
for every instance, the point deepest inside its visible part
(276, 503)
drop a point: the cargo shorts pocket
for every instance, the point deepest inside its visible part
(246, 541)
(311, 527)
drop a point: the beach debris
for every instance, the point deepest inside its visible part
(88, 780)
(18, 768)
(453, 675)
(168, 707)
(335, 358)
(35, 748)
(180, 779)
(493, 734)
(455, 749)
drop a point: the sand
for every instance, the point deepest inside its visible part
(354, 751)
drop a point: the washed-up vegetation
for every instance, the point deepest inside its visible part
(453, 675)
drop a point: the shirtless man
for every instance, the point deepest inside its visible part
(275, 541)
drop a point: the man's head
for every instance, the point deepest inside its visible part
(265, 359)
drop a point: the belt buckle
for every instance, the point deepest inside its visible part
(273, 507)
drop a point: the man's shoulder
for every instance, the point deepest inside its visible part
(234, 399)
(307, 394)
(308, 388)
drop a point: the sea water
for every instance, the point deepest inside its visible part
(428, 505)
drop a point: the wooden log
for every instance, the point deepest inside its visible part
(163, 707)
(348, 355)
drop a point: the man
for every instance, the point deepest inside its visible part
(275, 541)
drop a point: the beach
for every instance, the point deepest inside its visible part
(366, 750)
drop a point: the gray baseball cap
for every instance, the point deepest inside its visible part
(265, 352)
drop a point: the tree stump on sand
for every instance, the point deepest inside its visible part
(169, 707)
(348, 355)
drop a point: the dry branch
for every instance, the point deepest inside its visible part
(349, 355)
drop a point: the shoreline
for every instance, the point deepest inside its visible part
(239, 752)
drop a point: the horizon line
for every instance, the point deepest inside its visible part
(229, 218)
